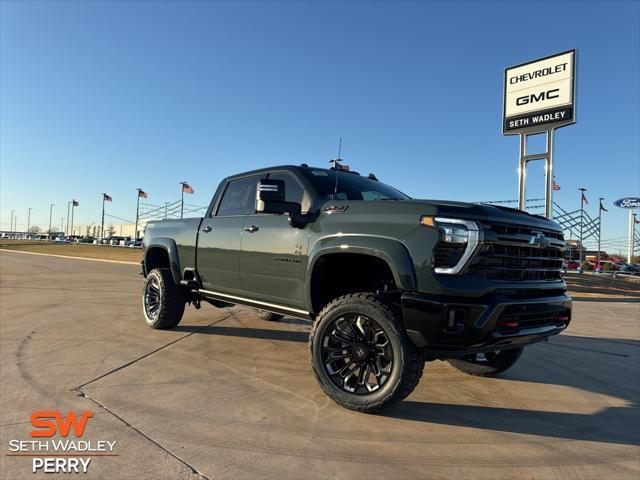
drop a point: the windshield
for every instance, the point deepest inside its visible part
(350, 186)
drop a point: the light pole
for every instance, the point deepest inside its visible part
(50, 215)
(11, 226)
(29, 219)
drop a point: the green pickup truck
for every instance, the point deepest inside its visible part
(389, 282)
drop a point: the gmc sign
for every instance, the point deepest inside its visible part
(540, 94)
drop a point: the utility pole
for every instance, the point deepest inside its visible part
(599, 229)
(11, 226)
(582, 190)
(29, 220)
(50, 214)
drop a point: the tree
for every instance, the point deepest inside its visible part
(110, 230)
(34, 229)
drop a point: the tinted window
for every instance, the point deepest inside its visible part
(350, 186)
(293, 190)
(240, 197)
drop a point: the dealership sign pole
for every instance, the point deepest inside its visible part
(629, 203)
(539, 96)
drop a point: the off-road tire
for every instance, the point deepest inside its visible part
(408, 361)
(269, 316)
(502, 362)
(171, 300)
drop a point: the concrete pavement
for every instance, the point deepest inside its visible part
(227, 395)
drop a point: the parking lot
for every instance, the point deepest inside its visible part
(227, 395)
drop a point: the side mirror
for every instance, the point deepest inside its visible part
(270, 198)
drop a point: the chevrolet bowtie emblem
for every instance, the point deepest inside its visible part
(538, 239)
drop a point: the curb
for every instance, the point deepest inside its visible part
(69, 256)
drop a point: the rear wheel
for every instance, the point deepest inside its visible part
(163, 301)
(488, 364)
(269, 316)
(361, 356)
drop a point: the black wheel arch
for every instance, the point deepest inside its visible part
(388, 257)
(162, 252)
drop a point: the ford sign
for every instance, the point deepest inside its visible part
(629, 202)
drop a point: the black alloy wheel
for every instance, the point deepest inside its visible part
(357, 354)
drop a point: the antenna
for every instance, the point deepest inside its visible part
(336, 166)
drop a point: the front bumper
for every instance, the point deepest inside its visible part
(452, 327)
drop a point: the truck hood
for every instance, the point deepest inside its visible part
(444, 208)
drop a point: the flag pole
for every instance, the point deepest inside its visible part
(582, 190)
(599, 230)
(137, 212)
(67, 229)
(50, 214)
(73, 204)
(182, 199)
(102, 225)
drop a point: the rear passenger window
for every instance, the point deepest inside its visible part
(239, 197)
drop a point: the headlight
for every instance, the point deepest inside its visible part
(452, 233)
(458, 241)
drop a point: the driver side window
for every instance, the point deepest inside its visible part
(293, 190)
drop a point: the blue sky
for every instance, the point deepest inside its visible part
(109, 96)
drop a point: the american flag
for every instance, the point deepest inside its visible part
(186, 188)
(142, 194)
(107, 198)
(76, 203)
(635, 220)
(584, 199)
(602, 207)
(556, 186)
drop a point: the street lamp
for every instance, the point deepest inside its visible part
(11, 227)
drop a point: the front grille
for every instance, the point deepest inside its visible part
(506, 255)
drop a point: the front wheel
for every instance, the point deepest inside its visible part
(360, 354)
(163, 301)
(488, 364)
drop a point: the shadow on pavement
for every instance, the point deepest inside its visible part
(603, 426)
(600, 365)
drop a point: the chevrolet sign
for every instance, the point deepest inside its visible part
(539, 94)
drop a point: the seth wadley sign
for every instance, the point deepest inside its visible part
(540, 94)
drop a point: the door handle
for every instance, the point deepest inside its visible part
(207, 229)
(251, 229)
